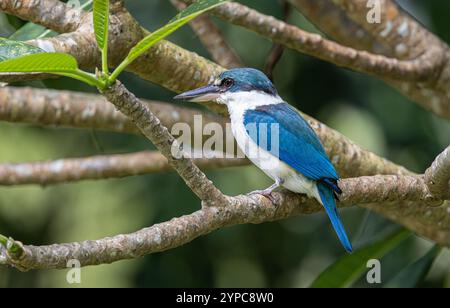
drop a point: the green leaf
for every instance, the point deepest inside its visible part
(10, 49)
(53, 63)
(43, 62)
(347, 270)
(101, 22)
(179, 20)
(412, 274)
(101, 26)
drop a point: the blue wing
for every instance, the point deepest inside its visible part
(299, 146)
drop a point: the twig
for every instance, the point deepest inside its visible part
(277, 50)
(212, 38)
(97, 167)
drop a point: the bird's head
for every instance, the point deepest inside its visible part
(231, 84)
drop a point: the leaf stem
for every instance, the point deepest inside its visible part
(105, 68)
(85, 77)
(115, 74)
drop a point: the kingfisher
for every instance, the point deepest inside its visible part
(275, 138)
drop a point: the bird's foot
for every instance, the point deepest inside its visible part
(266, 193)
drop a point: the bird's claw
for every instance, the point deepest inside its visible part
(265, 193)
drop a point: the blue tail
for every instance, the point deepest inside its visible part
(329, 203)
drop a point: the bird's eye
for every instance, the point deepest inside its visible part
(227, 83)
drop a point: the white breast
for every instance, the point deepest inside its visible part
(264, 160)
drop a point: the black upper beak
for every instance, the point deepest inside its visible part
(203, 94)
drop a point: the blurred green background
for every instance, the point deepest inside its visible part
(289, 253)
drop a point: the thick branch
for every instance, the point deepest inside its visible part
(438, 175)
(52, 14)
(383, 188)
(241, 210)
(151, 127)
(395, 28)
(398, 34)
(97, 167)
(350, 159)
(212, 38)
(83, 110)
(421, 68)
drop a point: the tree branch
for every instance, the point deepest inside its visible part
(420, 68)
(151, 127)
(179, 70)
(277, 50)
(212, 38)
(97, 167)
(165, 63)
(52, 14)
(399, 35)
(182, 230)
(396, 29)
(333, 21)
(350, 159)
(83, 110)
(438, 175)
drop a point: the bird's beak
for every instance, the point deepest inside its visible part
(207, 93)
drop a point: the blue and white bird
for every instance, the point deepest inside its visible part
(297, 160)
